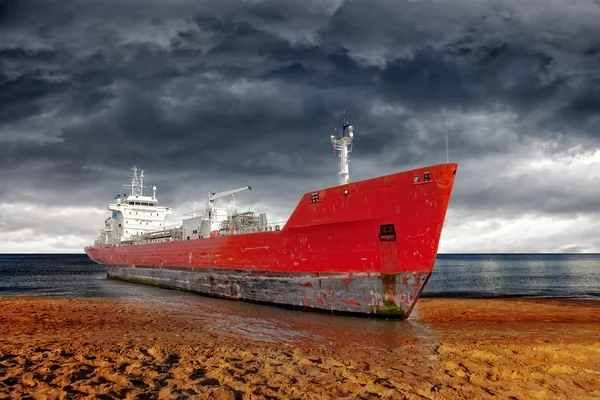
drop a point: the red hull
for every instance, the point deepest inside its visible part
(339, 233)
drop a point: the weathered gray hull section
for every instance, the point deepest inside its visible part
(378, 295)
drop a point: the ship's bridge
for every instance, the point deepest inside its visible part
(137, 215)
(133, 215)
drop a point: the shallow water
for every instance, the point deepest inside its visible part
(570, 276)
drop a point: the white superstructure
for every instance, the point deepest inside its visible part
(133, 215)
(137, 218)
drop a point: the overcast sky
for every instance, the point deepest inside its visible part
(214, 95)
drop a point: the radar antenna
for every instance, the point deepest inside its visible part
(137, 182)
(344, 145)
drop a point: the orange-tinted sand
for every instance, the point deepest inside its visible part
(114, 348)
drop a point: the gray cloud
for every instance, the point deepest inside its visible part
(208, 95)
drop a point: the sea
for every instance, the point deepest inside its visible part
(572, 276)
(575, 276)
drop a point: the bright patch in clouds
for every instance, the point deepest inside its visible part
(550, 179)
(524, 234)
(30, 228)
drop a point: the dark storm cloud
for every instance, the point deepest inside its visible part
(249, 91)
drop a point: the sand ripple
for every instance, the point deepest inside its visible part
(112, 349)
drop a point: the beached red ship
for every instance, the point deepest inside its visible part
(365, 247)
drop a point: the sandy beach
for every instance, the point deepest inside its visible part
(114, 348)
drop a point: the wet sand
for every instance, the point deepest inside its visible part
(450, 348)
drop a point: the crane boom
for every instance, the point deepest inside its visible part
(213, 197)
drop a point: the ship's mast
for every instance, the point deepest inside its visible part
(137, 182)
(344, 145)
(142, 182)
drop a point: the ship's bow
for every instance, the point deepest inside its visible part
(381, 234)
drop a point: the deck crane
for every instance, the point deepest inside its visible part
(211, 201)
(213, 197)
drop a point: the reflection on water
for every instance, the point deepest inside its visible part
(491, 273)
(274, 324)
(574, 276)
